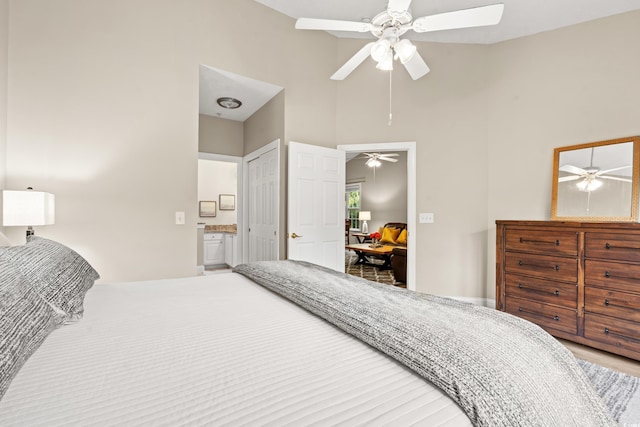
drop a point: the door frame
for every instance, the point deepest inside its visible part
(245, 195)
(410, 148)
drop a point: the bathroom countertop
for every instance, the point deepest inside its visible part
(223, 228)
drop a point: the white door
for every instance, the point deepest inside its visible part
(263, 220)
(315, 229)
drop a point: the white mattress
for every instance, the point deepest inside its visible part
(213, 350)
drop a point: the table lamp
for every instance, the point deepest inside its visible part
(364, 216)
(27, 208)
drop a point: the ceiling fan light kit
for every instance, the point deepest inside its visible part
(392, 23)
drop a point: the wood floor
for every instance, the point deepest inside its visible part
(602, 358)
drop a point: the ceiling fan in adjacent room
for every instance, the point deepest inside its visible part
(394, 22)
(374, 159)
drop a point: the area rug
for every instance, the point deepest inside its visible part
(368, 272)
(621, 392)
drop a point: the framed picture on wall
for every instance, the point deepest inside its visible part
(227, 202)
(207, 208)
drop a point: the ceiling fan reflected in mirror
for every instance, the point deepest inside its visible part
(394, 22)
(590, 177)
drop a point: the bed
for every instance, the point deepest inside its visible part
(259, 346)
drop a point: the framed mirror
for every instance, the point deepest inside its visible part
(596, 181)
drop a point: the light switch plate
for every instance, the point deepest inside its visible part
(180, 218)
(426, 218)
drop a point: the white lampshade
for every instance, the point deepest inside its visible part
(26, 208)
(589, 185)
(364, 216)
(405, 50)
(386, 64)
(381, 50)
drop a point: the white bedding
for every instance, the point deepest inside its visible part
(213, 350)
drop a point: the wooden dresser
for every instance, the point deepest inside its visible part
(580, 281)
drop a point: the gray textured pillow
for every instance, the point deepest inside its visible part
(58, 274)
(25, 321)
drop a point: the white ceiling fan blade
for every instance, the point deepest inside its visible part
(416, 66)
(390, 154)
(398, 7)
(569, 178)
(612, 170)
(616, 178)
(466, 18)
(573, 169)
(388, 159)
(353, 63)
(332, 25)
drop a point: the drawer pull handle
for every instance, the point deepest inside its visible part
(608, 303)
(608, 246)
(608, 275)
(521, 263)
(557, 242)
(522, 310)
(607, 331)
(538, 291)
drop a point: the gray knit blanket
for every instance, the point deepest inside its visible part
(501, 370)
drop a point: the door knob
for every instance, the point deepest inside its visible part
(295, 236)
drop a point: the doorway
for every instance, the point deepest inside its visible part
(410, 149)
(220, 188)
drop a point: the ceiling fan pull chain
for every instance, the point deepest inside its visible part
(390, 115)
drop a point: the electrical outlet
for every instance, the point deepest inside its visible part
(180, 218)
(426, 218)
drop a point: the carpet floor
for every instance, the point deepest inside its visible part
(621, 392)
(368, 272)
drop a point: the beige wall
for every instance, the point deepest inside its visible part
(114, 88)
(570, 86)
(385, 194)
(4, 45)
(445, 113)
(263, 127)
(115, 95)
(220, 136)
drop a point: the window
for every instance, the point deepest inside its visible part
(352, 204)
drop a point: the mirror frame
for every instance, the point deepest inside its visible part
(634, 185)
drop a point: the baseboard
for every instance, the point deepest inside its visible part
(485, 302)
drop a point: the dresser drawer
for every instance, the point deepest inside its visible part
(622, 247)
(547, 267)
(612, 303)
(542, 242)
(547, 316)
(614, 275)
(616, 332)
(563, 294)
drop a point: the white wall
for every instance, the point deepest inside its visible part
(215, 178)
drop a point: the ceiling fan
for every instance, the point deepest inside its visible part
(373, 159)
(589, 175)
(392, 23)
